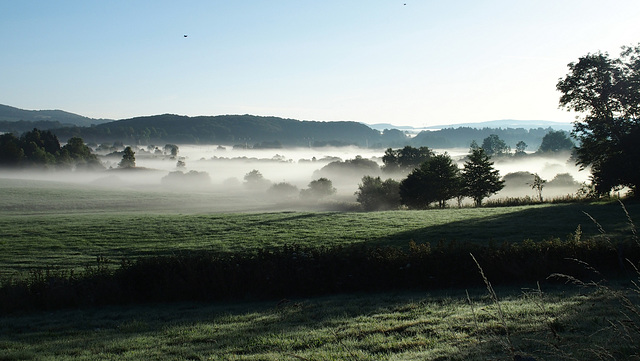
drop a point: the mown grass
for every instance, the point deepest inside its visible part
(66, 227)
(402, 326)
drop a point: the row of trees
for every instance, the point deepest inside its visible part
(407, 158)
(436, 180)
(317, 189)
(43, 149)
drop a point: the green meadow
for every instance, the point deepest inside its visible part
(44, 225)
(69, 226)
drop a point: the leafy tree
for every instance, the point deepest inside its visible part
(607, 92)
(171, 149)
(376, 195)
(436, 180)
(319, 188)
(351, 167)
(128, 158)
(493, 145)
(537, 185)
(480, 179)
(255, 179)
(282, 190)
(405, 159)
(191, 178)
(78, 153)
(563, 180)
(521, 146)
(555, 141)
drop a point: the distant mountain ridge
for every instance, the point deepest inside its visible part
(268, 131)
(226, 129)
(12, 114)
(504, 123)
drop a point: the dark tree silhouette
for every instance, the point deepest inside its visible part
(555, 141)
(374, 194)
(480, 179)
(128, 158)
(607, 92)
(493, 145)
(436, 180)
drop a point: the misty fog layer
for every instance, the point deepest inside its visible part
(212, 178)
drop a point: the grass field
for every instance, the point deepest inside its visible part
(559, 325)
(69, 226)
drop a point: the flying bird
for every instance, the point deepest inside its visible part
(185, 35)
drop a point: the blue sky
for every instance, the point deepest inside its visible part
(373, 61)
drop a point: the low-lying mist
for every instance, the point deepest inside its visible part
(204, 178)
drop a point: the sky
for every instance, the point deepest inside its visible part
(409, 62)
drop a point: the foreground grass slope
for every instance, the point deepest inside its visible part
(67, 228)
(561, 324)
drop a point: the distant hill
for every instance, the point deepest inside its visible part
(506, 123)
(268, 131)
(226, 129)
(510, 123)
(383, 126)
(59, 117)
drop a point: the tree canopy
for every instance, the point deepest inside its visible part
(405, 159)
(128, 158)
(436, 180)
(374, 194)
(319, 188)
(493, 145)
(556, 141)
(607, 92)
(42, 149)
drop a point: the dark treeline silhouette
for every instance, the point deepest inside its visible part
(296, 271)
(249, 131)
(463, 136)
(38, 148)
(226, 129)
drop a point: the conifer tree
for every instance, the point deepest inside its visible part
(480, 179)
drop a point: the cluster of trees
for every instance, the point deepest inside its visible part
(436, 179)
(316, 189)
(42, 149)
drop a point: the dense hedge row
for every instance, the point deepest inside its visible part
(294, 271)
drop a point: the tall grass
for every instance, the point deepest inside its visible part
(621, 330)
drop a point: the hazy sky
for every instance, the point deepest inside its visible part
(423, 63)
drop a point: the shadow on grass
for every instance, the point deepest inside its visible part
(359, 326)
(536, 224)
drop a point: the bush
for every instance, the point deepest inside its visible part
(377, 195)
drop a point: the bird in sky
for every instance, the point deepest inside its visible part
(185, 35)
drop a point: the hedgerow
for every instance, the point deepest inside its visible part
(297, 271)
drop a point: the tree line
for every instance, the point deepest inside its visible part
(40, 148)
